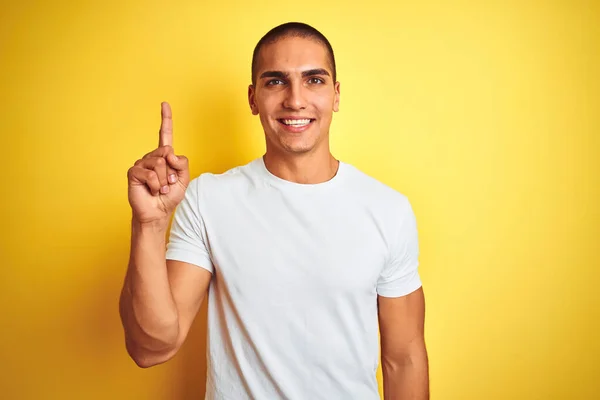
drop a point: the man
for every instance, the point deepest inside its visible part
(303, 256)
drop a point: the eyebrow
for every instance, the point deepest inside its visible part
(316, 71)
(281, 74)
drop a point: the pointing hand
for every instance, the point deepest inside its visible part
(157, 181)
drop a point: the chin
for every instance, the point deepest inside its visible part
(297, 148)
(286, 144)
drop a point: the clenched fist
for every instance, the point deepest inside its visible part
(157, 182)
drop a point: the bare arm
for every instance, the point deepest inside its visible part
(403, 352)
(160, 298)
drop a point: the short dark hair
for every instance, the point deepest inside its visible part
(292, 29)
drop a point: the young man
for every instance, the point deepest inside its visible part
(303, 256)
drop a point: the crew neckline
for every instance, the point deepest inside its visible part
(280, 182)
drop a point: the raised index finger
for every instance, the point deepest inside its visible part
(165, 136)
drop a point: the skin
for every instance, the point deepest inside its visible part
(160, 298)
(403, 352)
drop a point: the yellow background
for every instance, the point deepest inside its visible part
(485, 114)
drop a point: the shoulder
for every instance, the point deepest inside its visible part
(374, 193)
(233, 179)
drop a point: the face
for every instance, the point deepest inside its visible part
(295, 95)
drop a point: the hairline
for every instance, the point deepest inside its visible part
(293, 32)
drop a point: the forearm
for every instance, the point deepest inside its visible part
(147, 308)
(406, 377)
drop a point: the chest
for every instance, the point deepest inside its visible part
(293, 247)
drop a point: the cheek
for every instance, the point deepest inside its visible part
(325, 107)
(268, 106)
(265, 121)
(324, 102)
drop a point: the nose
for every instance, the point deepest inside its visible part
(294, 97)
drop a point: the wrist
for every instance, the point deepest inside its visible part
(156, 226)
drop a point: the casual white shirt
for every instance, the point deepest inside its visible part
(297, 268)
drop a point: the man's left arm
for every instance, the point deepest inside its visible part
(403, 353)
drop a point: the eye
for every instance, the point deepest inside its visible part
(315, 81)
(273, 82)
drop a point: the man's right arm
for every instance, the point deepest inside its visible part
(160, 298)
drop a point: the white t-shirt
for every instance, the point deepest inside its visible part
(292, 305)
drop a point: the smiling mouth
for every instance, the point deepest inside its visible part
(296, 123)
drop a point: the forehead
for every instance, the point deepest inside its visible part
(293, 54)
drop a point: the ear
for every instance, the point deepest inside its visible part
(336, 99)
(251, 100)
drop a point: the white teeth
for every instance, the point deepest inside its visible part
(296, 122)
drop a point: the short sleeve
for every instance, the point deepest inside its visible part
(400, 275)
(187, 238)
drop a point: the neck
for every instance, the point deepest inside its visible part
(304, 168)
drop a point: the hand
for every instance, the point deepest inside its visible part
(158, 181)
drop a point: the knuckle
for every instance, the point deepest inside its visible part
(138, 162)
(160, 161)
